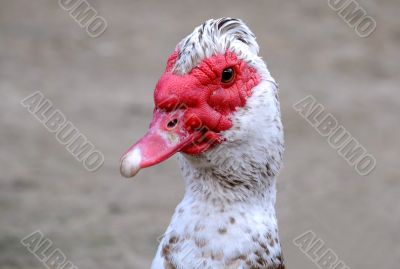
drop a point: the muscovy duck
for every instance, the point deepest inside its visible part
(217, 105)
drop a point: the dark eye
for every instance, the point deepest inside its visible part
(227, 75)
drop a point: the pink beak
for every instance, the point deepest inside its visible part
(166, 136)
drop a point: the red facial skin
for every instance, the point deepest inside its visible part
(208, 101)
(191, 110)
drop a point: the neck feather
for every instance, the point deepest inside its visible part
(214, 228)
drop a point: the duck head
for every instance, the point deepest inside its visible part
(215, 100)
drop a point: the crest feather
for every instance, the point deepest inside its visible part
(213, 37)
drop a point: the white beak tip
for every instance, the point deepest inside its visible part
(130, 164)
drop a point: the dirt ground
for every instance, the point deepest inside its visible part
(104, 86)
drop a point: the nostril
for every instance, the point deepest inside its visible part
(171, 124)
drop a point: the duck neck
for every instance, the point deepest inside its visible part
(227, 197)
(234, 181)
(226, 219)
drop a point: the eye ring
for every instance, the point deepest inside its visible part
(227, 75)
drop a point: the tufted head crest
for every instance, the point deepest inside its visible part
(215, 36)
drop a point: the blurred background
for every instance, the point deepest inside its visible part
(104, 86)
